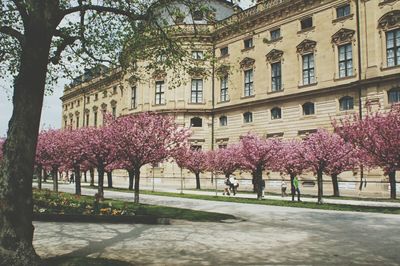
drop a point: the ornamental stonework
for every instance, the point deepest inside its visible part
(159, 75)
(223, 70)
(197, 72)
(343, 36)
(274, 55)
(306, 46)
(390, 20)
(247, 63)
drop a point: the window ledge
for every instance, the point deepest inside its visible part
(389, 68)
(220, 102)
(342, 18)
(202, 103)
(307, 85)
(346, 112)
(305, 117)
(223, 56)
(275, 92)
(272, 41)
(344, 78)
(248, 49)
(306, 30)
(247, 97)
(276, 120)
(386, 2)
(247, 124)
(158, 104)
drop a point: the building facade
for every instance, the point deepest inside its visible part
(282, 68)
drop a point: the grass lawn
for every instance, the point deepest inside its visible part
(79, 261)
(46, 201)
(283, 203)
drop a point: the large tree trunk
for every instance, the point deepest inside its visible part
(137, 179)
(292, 189)
(16, 208)
(335, 184)
(258, 182)
(91, 171)
(109, 179)
(131, 174)
(320, 187)
(392, 181)
(197, 180)
(77, 171)
(100, 189)
(54, 172)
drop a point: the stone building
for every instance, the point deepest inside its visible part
(283, 68)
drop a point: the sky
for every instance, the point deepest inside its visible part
(51, 111)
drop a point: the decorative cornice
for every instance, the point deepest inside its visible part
(223, 70)
(247, 62)
(306, 46)
(113, 103)
(159, 74)
(390, 20)
(197, 72)
(343, 36)
(274, 55)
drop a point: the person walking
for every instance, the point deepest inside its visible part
(283, 188)
(227, 186)
(72, 179)
(296, 189)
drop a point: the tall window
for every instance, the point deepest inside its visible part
(276, 113)
(248, 82)
(160, 97)
(114, 111)
(308, 108)
(343, 11)
(345, 60)
(346, 103)
(77, 122)
(308, 69)
(248, 117)
(87, 119)
(133, 97)
(223, 121)
(276, 76)
(394, 95)
(224, 89)
(95, 119)
(197, 91)
(393, 47)
(196, 122)
(71, 123)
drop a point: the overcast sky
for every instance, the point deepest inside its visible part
(51, 112)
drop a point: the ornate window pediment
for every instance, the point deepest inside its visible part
(65, 117)
(247, 62)
(71, 115)
(197, 72)
(95, 108)
(103, 106)
(77, 113)
(343, 36)
(159, 74)
(113, 103)
(390, 20)
(274, 55)
(306, 46)
(87, 111)
(223, 70)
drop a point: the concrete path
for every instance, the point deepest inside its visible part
(265, 235)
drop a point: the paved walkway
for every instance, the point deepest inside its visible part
(265, 235)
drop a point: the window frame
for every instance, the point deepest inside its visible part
(344, 103)
(306, 72)
(197, 55)
(196, 94)
(159, 92)
(273, 36)
(248, 43)
(249, 82)
(343, 9)
(348, 71)
(306, 105)
(393, 93)
(303, 23)
(395, 48)
(133, 97)
(224, 96)
(276, 78)
(247, 117)
(273, 113)
(198, 122)
(223, 121)
(224, 51)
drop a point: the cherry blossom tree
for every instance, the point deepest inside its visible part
(290, 160)
(258, 154)
(146, 138)
(326, 152)
(377, 135)
(196, 161)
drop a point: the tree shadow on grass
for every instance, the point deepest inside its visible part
(83, 261)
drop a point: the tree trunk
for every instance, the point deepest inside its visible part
(16, 208)
(91, 171)
(85, 176)
(137, 179)
(320, 187)
(258, 182)
(131, 174)
(292, 189)
(335, 184)
(109, 179)
(100, 190)
(197, 180)
(77, 171)
(54, 172)
(39, 171)
(392, 181)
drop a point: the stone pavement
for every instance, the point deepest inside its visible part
(264, 235)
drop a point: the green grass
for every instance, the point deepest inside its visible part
(283, 203)
(46, 201)
(82, 261)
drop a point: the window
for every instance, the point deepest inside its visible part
(77, 122)
(78, 103)
(197, 91)
(346, 103)
(104, 94)
(95, 119)
(115, 90)
(248, 43)
(198, 15)
(87, 119)
(223, 121)
(224, 51)
(65, 123)
(88, 99)
(224, 89)
(308, 69)
(197, 55)
(222, 146)
(276, 113)
(196, 122)
(96, 96)
(114, 111)
(343, 11)
(160, 98)
(248, 117)
(71, 122)
(248, 83)
(161, 58)
(133, 97)
(195, 147)
(308, 109)
(72, 105)
(345, 60)
(393, 47)
(394, 95)
(275, 34)
(276, 78)
(306, 23)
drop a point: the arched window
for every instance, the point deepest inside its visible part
(346, 103)
(308, 108)
(223, 121)
(394, 95)
(196, 122)
(248, 117)
(276, 113)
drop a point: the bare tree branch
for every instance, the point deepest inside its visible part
(13, 33)
(67, 40)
